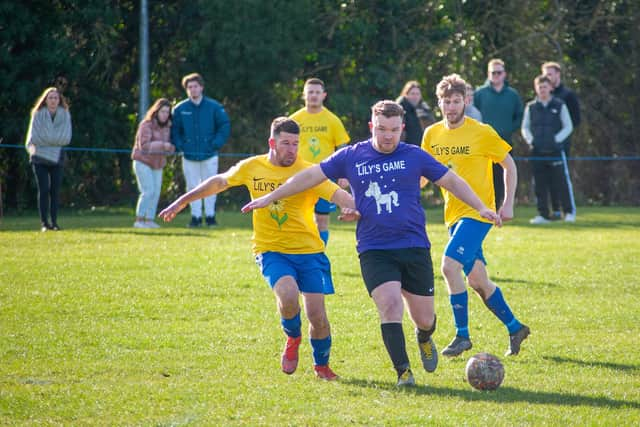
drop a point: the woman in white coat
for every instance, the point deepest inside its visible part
(49, 131)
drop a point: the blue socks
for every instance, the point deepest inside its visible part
(321, 350)
(324, 235)
(495, 303)
(460, 308)
(291, 326)
(499, 307)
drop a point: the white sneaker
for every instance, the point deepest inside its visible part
(570, 217)
(140, 224)
(151, 224)
(539, 220)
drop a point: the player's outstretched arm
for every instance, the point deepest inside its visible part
(211, 186)
(459, 188)
(510, 184)
(347, 205)
(301, 181)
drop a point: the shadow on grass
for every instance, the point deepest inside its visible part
(508, 280)
(591, 363)
(581, 224)
(159, 233)
(350, 274)
(502, 395)
(93, 227)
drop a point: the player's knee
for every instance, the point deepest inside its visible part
(450, 267)
(427, 322)
(288, 303)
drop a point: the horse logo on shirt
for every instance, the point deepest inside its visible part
(381, 198)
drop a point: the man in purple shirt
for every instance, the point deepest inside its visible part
(385, 177)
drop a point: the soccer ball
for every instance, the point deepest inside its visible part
(484, 371)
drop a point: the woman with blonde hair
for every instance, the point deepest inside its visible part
(49, 130)
(149, 158)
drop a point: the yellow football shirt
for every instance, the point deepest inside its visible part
(470, 151)
(287, 225)
(320, 134)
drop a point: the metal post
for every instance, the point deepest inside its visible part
(143, 103)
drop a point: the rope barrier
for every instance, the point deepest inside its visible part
(126, 150)
(242, 155)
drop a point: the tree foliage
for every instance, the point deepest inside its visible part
(255, 56)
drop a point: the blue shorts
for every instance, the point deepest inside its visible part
(312, 272)
(465, 243)
(324, 207)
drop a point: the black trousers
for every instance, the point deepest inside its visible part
(48, 180)
(548, 177)
(562, 198)
(498, 184)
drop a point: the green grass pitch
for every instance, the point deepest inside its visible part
(104, 324)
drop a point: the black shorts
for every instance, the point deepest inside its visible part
(412, 267)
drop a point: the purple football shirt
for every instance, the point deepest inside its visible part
(386, 188)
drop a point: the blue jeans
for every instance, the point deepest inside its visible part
(149, 183)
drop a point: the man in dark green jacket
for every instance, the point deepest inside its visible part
(501, 108)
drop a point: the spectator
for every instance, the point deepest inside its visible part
(501, 108)
(49, 130)
(200, 128)
(563, 195)
(414, 107)
(545, 127)
(149, 158)
(470, 110)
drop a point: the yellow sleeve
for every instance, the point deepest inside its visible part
(341, 135)
(497, 148)
(326, 189)
(237, 174)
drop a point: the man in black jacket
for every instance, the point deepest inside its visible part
(564, 196)
(545, 126)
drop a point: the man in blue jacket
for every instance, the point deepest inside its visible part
(501, 108)
(200, 128)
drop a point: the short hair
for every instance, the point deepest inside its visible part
(495, 61)
(193, 77)
(314, 81)
(284, 124)
(42, 99)
(450, 85)
(551, 64)
(542, 79)
(152, 113)
(387, 108)
(408, 86)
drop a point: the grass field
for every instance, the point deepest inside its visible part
(103, 324)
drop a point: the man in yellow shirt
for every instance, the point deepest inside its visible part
(321, 134)
(286, 243)
(469, 148)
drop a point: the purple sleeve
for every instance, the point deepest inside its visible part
(333, 166)
(431, 169)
